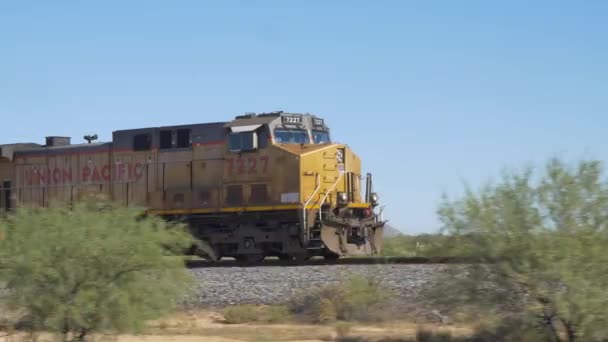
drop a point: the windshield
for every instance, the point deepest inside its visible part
(293, 136)
(320, 137)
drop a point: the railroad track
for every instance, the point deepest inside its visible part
(341, 261)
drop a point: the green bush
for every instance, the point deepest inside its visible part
(358, 299)
(91, 268)
(543, 241)
(276, 314)
(426, 245)
(327, 311)
(507, 330)
(343, 329)
(402, 245)
(241, 314)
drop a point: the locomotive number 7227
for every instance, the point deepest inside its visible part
(246, 165)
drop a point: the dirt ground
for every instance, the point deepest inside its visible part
(209, 327)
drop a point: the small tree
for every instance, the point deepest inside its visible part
(91, 268)
(543, 242)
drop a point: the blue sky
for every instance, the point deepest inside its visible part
(428, 93)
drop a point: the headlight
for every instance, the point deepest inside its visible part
(375, 199)
(342, 198)
(340, 156)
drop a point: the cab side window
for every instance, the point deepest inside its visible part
(142, 142)
(183, 138)
(166, 139)
(242, 141)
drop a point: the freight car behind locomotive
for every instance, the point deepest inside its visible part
(271, 184)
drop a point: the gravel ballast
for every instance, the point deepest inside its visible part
(223, 286)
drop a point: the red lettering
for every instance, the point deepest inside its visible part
(44, 176)
(105, 172)
(230, 166)
(67, 175)
(86, 172)
(248, 165)
(253, 163)
(96, 175)
(56, 176)
(49, 176)
(264, 160)
(241, 166)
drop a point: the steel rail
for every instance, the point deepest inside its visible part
(342, 261)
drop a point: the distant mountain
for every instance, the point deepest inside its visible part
(390, 231)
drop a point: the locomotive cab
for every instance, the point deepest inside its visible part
(251, 132)
(315, 182)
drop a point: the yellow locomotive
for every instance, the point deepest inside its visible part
(271, 184)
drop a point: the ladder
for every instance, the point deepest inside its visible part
(314, 238)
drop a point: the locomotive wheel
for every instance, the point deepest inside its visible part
(331, 256)
(301, 257)
(285, 257)
(249, 259)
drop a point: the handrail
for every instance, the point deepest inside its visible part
(304, 213)
(357, 187)
(327, 194)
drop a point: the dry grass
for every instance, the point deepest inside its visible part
(351, 312)
(256, 313)
(211, 326)
(358, 300)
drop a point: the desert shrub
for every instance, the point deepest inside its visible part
(542, 238)
(401, 245)
(358, 299)
(327, 311)
(241, 314)
(249, 313)
(276, 314)
(426, 245)
(512, 330)
(342, 329)
(509, 330)
(95, 267)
